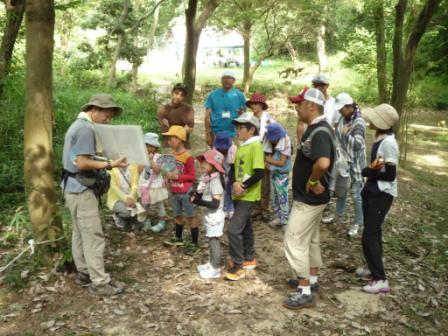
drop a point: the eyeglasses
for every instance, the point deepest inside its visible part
(238, 127)
(318, 85)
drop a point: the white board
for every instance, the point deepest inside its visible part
(123, 140)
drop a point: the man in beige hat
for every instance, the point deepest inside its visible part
(78, 159)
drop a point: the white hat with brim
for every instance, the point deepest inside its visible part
(343, 99)
(247, 118)
(383, 116)
(152, 139)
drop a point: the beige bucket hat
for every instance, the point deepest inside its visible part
(383, 116)
(104, 101)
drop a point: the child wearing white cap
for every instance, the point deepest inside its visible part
(246, 175)
(152, 190)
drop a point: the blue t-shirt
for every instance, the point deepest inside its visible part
(225, 106)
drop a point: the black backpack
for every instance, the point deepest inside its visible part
(96, 180)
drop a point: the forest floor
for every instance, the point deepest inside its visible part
(165, 296)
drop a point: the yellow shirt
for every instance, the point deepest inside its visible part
(115, 192)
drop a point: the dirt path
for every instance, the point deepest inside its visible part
(165, 296)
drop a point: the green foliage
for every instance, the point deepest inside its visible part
(429, 91)
(68, 99)
(361, 53)
(17, 275)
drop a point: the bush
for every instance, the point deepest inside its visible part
(68, 100)
(430, 92)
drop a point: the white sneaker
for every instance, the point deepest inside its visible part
(354, 230)
(377, 286)
(203, 267)
(275, 223)
(328, 219)
(228, 214)
(363, 272)
(210, 273)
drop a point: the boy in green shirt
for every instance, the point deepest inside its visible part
(245, 176)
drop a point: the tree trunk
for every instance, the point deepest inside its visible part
(381, 52)
(402, 75)
(292, 54)
(66, 27)
(120, 41)
(38, 145)
(14, 18)
(250, 78)
(397, 49)
(191, 49)
(321, 54)
(194, 28)
(152, 32)
(247, 27)
(134, 76)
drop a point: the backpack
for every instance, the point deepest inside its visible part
(306, 146)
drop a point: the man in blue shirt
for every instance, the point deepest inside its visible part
(222, 106)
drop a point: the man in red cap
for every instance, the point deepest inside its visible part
(311, 173)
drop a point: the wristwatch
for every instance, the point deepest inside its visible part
(109, 165)
(313, 182)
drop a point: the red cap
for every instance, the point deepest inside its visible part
(300, 97)
(257, 98)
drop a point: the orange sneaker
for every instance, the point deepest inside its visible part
(235, 273)
(250, 264)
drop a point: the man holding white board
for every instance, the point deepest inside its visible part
(84, 179)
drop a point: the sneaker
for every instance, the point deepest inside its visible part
(210, 273)
(203, 267)
(354, 230)
(250, 264)
(275, 223)
(376, 287)
(235, 273)
(328, 219)
(363, 273)
(299, 301)
(228, 214)
(159, 227)
(174, 241)
(294, 283)
(120, 223)
(191, 249)
(109, 289)
(83, 279)
(147, 226)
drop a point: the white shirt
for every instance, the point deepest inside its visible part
(389, 151)
(265, 120)
(330, 111)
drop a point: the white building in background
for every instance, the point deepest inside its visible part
(216, 48)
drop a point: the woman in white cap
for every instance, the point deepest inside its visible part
(378, 193)
(350, 139)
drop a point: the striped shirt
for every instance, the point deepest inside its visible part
(350, 138)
